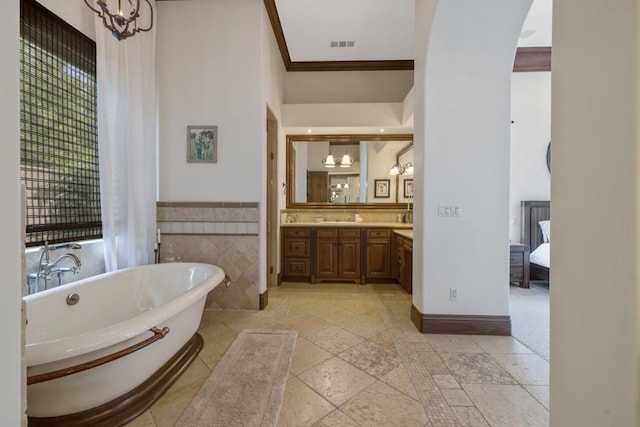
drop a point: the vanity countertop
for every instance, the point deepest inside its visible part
(404, 233)
(393, 225)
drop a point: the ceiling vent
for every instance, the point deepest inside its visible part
(343, 43)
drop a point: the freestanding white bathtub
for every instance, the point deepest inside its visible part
(112, 312)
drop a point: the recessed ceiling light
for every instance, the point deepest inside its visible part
(308, 130)
(381, 130)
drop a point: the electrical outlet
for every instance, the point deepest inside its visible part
(453, 294)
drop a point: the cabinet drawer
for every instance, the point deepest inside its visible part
(297, 232)
(378, 233)
(297, 267)
(327, 232)
(350, 233)
(297, 247)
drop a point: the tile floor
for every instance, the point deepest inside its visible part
(359, 361)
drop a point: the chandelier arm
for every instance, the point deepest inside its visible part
(92, 8)
(150, 18)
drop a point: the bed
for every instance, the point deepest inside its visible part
(532, 234)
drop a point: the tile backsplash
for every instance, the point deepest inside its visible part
(367, 215)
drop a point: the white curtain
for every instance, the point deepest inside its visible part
(127, 146)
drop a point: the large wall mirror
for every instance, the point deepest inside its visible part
(347, 171)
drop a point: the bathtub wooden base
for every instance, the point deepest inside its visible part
(128, 406)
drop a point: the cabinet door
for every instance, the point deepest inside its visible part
(378, 253)
(349, 262)
(399, 259)
(407, 268)
(326, 257)
(378, 260)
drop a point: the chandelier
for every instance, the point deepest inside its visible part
(124, 22)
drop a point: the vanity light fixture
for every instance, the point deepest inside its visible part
(329, 162)
(124, 21)
(398, 169)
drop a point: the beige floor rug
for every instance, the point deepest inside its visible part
(246, 387)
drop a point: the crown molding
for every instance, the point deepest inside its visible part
(526, 59)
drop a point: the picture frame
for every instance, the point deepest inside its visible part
(381, 188)
(202, 144)
(408, 188)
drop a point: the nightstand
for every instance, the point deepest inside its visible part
(519, 264)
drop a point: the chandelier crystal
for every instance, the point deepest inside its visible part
(124, 21)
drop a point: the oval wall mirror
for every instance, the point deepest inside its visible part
(549, 157)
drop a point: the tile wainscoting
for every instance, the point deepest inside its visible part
(220, 233)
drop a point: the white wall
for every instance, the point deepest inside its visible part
(595, 293)
(530, 135)
(209, 65)
(354, 86)
(462, 153)
(11, 371)
(352, 118)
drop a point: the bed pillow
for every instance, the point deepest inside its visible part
(545, 226)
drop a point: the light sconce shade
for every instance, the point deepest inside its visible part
(346, 161)
(339, 186)
(398, 169)
(329, 162)
(123, 22)
(408, 169)
(346, 185)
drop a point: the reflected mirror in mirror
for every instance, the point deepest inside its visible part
(339, 170)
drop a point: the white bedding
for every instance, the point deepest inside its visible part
(541, 255)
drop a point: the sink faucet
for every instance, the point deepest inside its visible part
(46, 268)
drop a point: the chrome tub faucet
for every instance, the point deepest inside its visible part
(47, 269)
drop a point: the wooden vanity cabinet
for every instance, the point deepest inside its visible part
(296, 254)
(404, 262)
(378, 253)
(337, 254)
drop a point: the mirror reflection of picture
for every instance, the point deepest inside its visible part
(408, 188)
(382, 188)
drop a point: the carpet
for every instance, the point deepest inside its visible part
(246, 386)
(529, 309)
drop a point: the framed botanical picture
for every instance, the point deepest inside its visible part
(381, 188)
(202, 144)
(408, 188)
